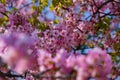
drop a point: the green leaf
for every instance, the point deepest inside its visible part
(42, 26)
(103, 24)
(56, 21)
(116, 46)
(61, 3)
(3, 1)
(42, 5)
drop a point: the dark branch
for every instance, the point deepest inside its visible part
(9, 75)
(4, 14)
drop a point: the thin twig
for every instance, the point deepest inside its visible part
(26, 5)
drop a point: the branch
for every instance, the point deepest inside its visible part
(9, 75)
(59, 77)
(4, 14)
(95, 3)
(26, 5)
(39, 74)
(109, 14)
(117, 2)
(99, 7)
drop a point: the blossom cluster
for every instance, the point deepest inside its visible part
(20, 55)
(46, 41)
